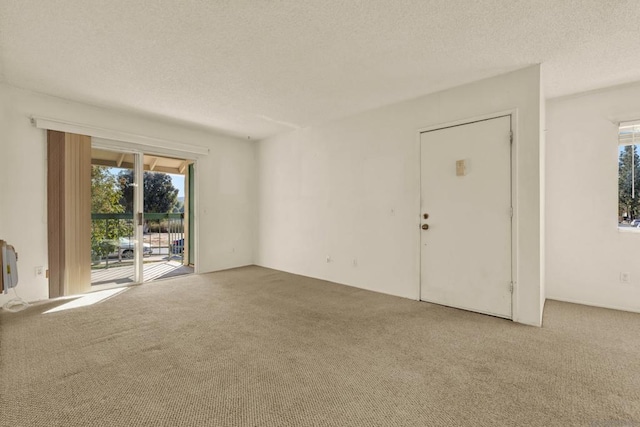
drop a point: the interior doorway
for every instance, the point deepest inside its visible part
(140, 217)
(466, 211)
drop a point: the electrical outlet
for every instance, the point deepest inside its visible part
(625, 277)
(39, 271)
(355, 262)
(328, 258)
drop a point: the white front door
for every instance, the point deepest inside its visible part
(466, 196)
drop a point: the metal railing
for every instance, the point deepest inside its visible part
(166, 230)
(112, 236)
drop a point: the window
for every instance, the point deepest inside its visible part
(629, 175)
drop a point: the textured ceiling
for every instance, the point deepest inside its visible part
(257, 68)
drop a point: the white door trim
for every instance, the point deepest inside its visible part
(513, 113)
(196, 217)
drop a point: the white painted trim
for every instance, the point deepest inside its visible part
(111, 145)
(127, 147)
(418, 235)
(140, 142)
(466, 121)
(515, 185)
(628, 123)
(590, 304)
(196, 218)
(138, 208)
(630, 230)
(513, 114)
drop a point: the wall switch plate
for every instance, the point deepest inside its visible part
(461, 167)
(39, 271)
(625, 277)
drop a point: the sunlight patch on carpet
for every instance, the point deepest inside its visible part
(87, 299)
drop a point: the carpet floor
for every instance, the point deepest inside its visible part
(258, 347)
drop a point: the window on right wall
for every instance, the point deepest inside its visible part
(629, 175)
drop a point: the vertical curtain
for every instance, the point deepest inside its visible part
(69, 213)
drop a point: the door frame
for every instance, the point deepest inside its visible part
(513, 113)
(138, 216)
(115, 145)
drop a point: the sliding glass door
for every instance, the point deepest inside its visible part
(115, 220)
(115, 215)
(140, 217)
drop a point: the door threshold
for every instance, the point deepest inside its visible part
(486, 313)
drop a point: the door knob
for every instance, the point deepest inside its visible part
(425, 215)
(425, 226)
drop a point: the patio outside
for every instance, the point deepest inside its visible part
(112, 225)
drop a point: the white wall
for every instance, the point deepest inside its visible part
(225, 182)
(585, 250)
(350, 189)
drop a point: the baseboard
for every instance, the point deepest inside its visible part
(328, 279)
(591, 304)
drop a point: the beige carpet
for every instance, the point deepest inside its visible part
(257, 347)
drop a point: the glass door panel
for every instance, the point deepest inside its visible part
(166, 219)
(114, 229)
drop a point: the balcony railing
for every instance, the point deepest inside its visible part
(112, 236)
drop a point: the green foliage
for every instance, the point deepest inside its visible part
(125, 180)
(160, 196)
(629, 182)
(105, 191)
(114, 194)
(105, 198)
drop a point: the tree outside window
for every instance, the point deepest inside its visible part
(629, 175)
